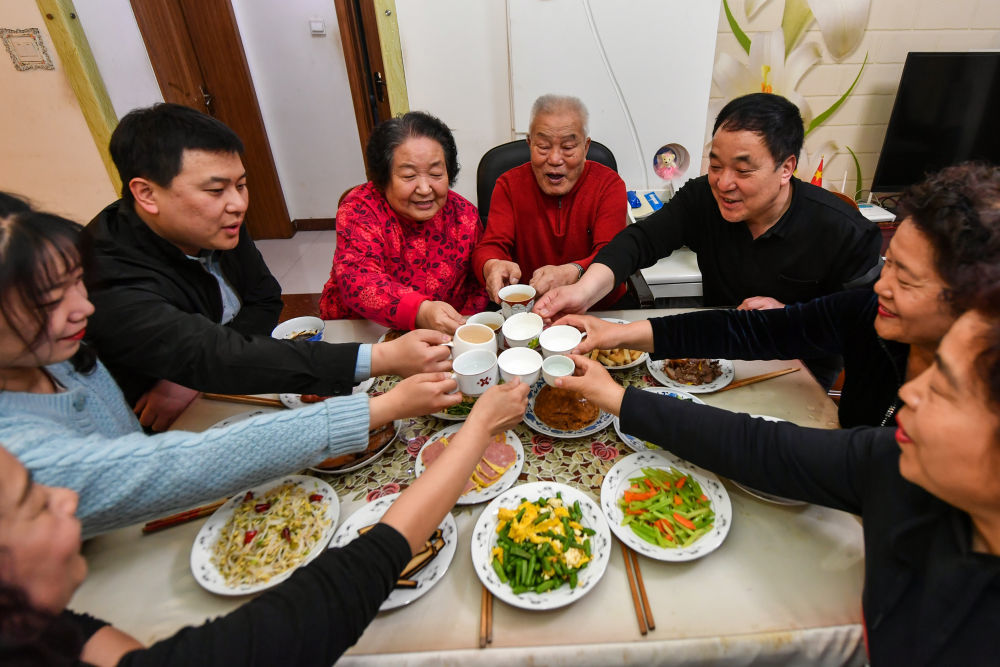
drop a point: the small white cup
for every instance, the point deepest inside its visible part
(522, 329)
(557, 366)
(482, 338)
(475, 371)
(516, 299)
(560, 339)
(297, 327)
(520, 362)
(492, 319)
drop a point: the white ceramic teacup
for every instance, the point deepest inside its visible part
(297, 328)
(520, 362)
(522, 329)
(516, 299)
(475, 371)
(557, 366)
(492, 319)
(561, 339)
(472, 337)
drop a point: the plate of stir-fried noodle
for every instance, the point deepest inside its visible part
(259, 536)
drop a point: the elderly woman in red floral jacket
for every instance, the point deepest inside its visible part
(404, 239)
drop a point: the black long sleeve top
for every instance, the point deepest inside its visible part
(311, 619)
(928, 598)
(158, 316)
(838, 324)
(819, 246)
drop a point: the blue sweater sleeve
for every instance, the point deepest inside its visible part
(311, 619)
(126, 479)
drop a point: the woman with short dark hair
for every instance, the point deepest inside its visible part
(405, 239)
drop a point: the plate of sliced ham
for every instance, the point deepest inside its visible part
(496, 472)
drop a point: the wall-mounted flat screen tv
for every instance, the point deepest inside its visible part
(947, 111)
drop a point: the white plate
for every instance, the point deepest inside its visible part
(642, 358)
(616, 482)
(294, 401)
(207, 574)
(762, 495)
(425, 578)
(507, 480)
(599, 424)
(638, 444)
(484, 538)
(725, 365)
(398, 424)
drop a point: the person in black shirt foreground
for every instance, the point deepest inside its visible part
(311, 619)
(928, 491)
(950, 235)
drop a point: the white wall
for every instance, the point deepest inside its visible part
(305, 99)
(455, 59)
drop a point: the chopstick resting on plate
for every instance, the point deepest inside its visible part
(640, 614)
(245, 398)
(181, 517)
(757, 378)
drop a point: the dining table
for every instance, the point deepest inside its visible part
(783, 588)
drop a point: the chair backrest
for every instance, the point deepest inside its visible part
(505, 157)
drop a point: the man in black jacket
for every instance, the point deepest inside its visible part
(184, 302)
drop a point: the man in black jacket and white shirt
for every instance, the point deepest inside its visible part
(184, 302)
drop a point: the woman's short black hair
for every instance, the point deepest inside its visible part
(390, 134)
(36, 249)
(774, 118)
(958, 210)
(149, 142)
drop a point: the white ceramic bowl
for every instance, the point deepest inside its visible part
(561, 339)
(522, 329)
(297, 325)
(557, 366)
(522, 363)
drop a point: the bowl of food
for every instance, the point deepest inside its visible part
(299, 329)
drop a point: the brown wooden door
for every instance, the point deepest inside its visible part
(197, 56)
(365, 69)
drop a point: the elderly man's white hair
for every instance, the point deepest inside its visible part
(547, 104)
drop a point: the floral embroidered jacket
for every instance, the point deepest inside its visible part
(386, 265)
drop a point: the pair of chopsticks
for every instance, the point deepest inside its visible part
(486, 619)
(181, 517)
(245, 398)
(757, 378)
(643, 612)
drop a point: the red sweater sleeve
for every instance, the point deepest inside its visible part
(610, 218)
(498, 241)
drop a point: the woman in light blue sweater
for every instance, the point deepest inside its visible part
(63, 416)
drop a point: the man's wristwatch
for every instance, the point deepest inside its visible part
(579, 270)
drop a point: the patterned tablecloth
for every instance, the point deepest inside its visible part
(580, 462)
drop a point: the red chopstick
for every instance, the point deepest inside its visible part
(181, 517)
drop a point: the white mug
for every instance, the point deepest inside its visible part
(516, 299)
(475, 371)
(557, 366)
(520, 362)
(470, 337)
(561, 339)
(492, 319)
(522, 329)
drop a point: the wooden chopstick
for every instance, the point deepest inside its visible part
(245, 398)
(489, 617)
(483, 619)
(757, 378)
(181, 517)
(650, 623)
(635, 595)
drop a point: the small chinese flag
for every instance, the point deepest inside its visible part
(817, 178)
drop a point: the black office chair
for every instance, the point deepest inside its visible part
(503, 158)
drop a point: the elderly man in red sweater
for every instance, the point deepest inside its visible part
(548, 218)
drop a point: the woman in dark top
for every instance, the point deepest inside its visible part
(311, 619)
(928, 491)
(949, 235)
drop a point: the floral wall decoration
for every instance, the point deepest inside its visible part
(777, 60)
